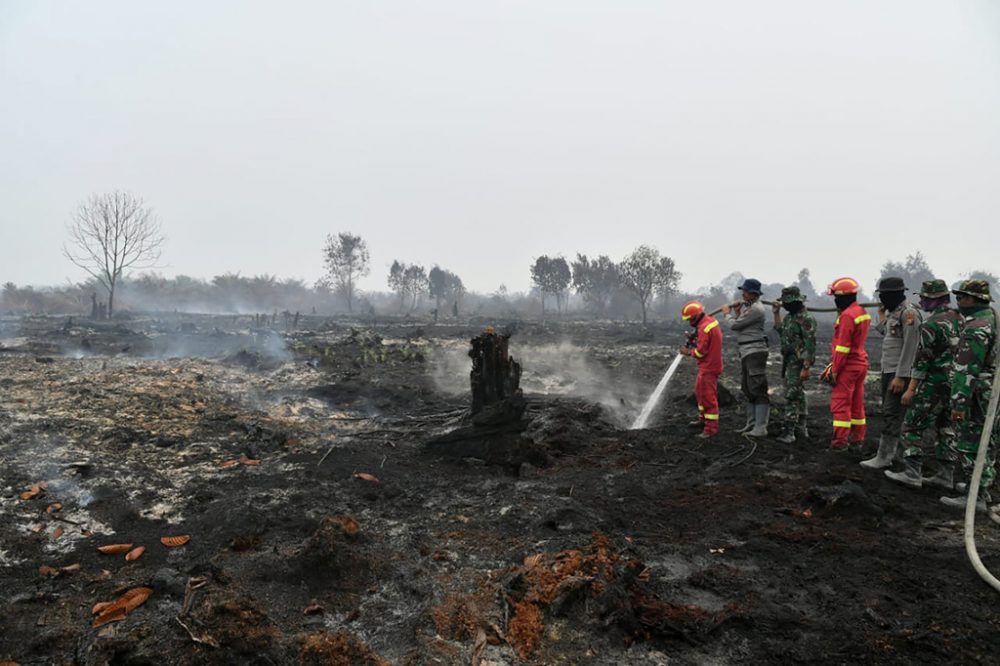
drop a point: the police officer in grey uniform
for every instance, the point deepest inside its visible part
(899, 323)
(747, 320)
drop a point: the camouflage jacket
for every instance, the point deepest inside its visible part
(798, 337)
(936, 347)
(975, 358)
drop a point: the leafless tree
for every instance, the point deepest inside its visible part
(113, 233)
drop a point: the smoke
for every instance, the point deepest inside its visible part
(558, 369)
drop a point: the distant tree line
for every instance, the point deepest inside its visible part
(113, 234)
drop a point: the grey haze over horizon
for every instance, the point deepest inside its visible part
(760, 137)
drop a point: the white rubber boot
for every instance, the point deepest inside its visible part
(886, 451)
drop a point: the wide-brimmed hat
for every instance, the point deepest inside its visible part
(934, 289)
(891, 284)
(792, 295)
(976, 288)
(751, 285)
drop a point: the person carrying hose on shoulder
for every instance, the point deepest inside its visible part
(798, 353)
(976, 359)
(899, 324)
(747, 320)
(706, 347)
(849, 365)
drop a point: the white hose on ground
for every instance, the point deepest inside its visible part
(973, 487)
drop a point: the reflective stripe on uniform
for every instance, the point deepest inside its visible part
(841, 424)
(842, 349)
(855, 422)
(711, 326)
(712, 417)
(697, 354)
(861, 318)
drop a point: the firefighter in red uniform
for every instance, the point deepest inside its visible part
(706, 348)
(847, 371)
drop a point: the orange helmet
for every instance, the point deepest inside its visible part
(691, 310)
(844, 285)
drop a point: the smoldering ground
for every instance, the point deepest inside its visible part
(614, 546)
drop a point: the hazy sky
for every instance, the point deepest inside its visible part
(756, 136)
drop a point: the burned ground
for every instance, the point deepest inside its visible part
(325, 529)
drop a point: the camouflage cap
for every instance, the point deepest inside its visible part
(933, 289)
(792, 295)
(976, 288)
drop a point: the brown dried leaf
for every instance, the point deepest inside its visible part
(115, 548)
(55, 506)
(174, 541)
(69, 568)
(533, 560)
(313, 608)
(114, 613)
(34, 490)
(9, 662)
(348, 525)
(229, 463)
(57, 532)
(249, 461)
(134, 598)
(46, 570)
(100, 607)
(135, 553)
(365, 476)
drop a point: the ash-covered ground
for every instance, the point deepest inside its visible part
(324, 528)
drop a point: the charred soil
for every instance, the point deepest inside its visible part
(326, 527)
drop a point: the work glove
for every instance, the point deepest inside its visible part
(829, 376)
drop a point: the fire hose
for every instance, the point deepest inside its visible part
(811, 309)
(973, 487)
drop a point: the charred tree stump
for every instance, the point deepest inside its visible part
(495, 376)
(494, 425)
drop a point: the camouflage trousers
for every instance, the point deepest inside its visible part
(968, 434)
(930, 409)
(795, 394)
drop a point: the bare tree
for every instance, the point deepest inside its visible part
(645, 272)
(346, 258)
(110, 234)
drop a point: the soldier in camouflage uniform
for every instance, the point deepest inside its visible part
(798, 353)
(928, 396)
(972, 381)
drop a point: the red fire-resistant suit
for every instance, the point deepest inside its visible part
(708, 352)
(849, 366)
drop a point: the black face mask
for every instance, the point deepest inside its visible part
(794, 307)
(932, 304)
(844, 300)
(969, 310)
(891, 299)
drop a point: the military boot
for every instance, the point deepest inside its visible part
(801, 429)
(762, 414)
(886, 452)
(750, 419)
(788, 436)
(944, 478)
(910, 476)
(959, 502)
